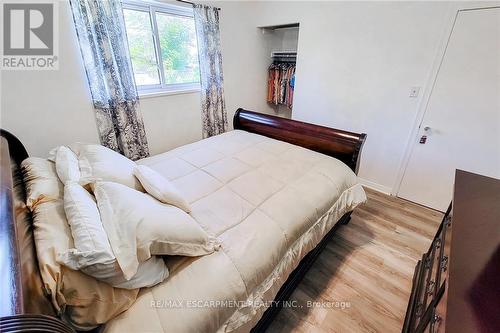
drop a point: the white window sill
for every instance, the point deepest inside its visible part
(159, 93)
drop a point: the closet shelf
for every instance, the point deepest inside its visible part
(280, 26)
(284, 54)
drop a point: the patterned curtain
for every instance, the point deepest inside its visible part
(213, 108)
(103, 43)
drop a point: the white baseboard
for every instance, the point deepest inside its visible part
(375, 186)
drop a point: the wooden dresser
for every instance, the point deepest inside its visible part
(456, 284)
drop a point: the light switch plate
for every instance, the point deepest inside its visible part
(414, 91)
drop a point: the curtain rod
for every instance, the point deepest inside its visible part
(192, 3)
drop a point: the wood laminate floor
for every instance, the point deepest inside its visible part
(368, 265)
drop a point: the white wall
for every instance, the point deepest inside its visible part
(49, 108)
(245, 56)
(171, 121)
(285, 39)
(356, 63)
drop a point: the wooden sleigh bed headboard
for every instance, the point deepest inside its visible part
(24, 307)
(343, 145)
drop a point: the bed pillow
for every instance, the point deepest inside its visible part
(67, 167)
(82, 300)
(160, 187)
(91, 243)
(97, 162)
(42, 183)
(139, 226)
(149, 273)
(92, 253)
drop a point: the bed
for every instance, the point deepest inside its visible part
(269, 190)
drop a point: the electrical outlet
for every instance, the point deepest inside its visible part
(414, 91)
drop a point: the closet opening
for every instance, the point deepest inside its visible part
(283, 43)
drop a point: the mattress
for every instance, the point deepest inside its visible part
(269, 202)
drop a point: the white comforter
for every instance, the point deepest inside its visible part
(269, 202)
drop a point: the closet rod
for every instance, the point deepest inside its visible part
(291, 54)
(192, 3)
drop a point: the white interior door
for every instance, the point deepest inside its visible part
(462, 119)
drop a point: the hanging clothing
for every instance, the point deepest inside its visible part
(103, 43)
(280, 84)
(213, 109)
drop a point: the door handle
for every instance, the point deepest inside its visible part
(423, 138)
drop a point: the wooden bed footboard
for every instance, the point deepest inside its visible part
(343, 145)
(23, 304)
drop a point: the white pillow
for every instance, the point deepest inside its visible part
(42, 184)
(67, 165)
(160, 187)
(139, 226)
(100, 163)
(84, 220)
(92, 253)
(149, 273)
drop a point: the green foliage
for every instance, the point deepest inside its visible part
(177, 38)
(140, 42)
(178, 49)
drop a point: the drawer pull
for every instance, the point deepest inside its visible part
(447, 221)
(430, 287)
(444, 263)
(438, 243)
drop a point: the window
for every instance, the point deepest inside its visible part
(163, 49)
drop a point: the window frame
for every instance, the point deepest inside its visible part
(153, 7)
